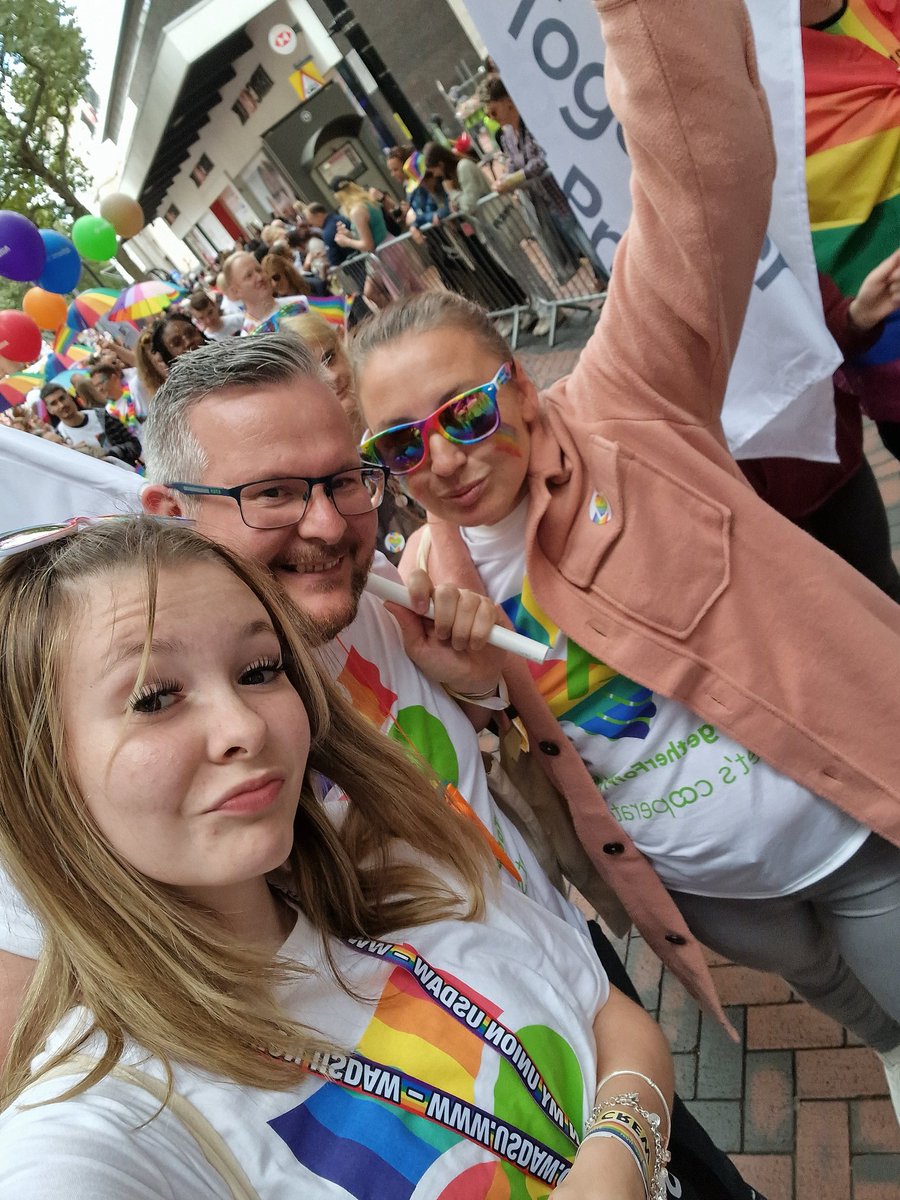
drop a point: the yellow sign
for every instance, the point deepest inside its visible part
(307, 79)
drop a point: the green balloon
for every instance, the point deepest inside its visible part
(94, 238)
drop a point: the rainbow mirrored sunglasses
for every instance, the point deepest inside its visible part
(19, 540)
(465, 419)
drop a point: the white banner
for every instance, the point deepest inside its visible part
(43, 482)
(550, 54)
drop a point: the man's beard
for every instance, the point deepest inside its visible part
(327, 627)
(323, 627)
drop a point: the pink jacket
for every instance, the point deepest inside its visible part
(693, 587)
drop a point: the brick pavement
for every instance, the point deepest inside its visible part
(800, 1106)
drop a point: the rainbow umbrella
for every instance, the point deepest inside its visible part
(87, 308)
(14, 388)
(64, 378)
(143, 300)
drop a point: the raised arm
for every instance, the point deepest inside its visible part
(681, 77)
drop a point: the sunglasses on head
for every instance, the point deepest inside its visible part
(465, 419)
(19, 540)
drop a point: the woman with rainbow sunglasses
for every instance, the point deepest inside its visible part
(720, 700)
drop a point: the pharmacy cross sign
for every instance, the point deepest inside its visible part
(282, 39)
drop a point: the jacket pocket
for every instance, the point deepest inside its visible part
(646, 542)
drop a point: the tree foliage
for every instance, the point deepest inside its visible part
(44, 65)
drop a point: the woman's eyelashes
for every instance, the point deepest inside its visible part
(156, 697)
(264, 670)
(152, 697)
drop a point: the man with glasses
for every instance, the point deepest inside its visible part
(206, 315)
(248, 439)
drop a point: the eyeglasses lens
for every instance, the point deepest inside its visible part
(275, 503)
(470, 417)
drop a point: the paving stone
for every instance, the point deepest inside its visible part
(742, 985)
(679, 1015)
(890, 490)
(769, 1102)
(876, 1177)
(873, 1127)
(645, 971)
(849, 1073)
(720, 1066)
(722, 1121)
(772, 1174)
(790, 1027)
(685, 1075)
(823, 1151)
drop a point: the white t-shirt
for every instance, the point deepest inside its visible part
(90, 431)
(399, 699)
(231, 325)
(139, 393)
(713, 818)
(370, 663)
(230, 307)
(520, 968)
(297, 304)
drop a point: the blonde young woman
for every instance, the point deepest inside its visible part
(274, 962)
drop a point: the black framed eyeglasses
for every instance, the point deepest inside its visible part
(276, 503)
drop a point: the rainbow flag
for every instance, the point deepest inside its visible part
(55, 364)
(332, 308)
(66, 349)
(853, 157)
(875, 23)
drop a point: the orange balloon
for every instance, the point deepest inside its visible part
(124, 214)
(47, 309)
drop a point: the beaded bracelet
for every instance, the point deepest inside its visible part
(660, 1155)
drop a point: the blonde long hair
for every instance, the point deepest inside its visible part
(350, 195)
(146, 962)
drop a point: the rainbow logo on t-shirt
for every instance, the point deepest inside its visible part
(580, 689)
(374, 1149)
(370, 1148)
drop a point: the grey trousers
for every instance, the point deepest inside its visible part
(836, 942)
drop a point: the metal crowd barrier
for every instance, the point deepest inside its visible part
(522, 256)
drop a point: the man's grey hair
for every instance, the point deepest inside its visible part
(172, 453)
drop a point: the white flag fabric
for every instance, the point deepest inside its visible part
(550, 54)
(43, 482)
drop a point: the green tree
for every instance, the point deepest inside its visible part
(44, 65)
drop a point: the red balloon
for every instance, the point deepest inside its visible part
(20, 338)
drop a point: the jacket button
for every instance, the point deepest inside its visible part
(550, 748)
(676, 939)
(613, 848)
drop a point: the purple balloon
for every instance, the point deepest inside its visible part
(22, 252)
